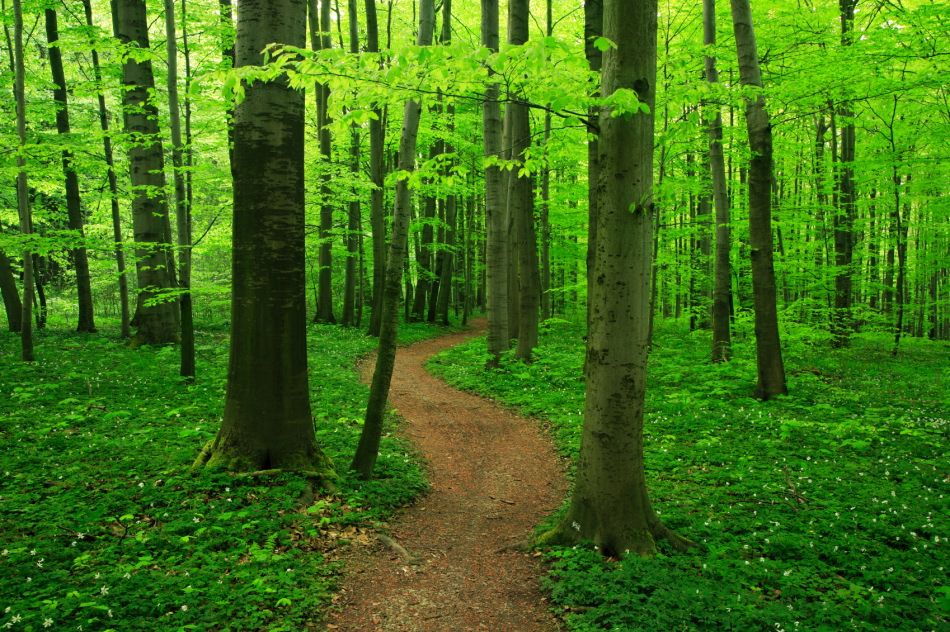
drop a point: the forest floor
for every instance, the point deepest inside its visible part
(453, 560)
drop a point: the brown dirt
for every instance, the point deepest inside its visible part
(494, 476)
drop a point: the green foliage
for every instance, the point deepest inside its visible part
(822, 510)
(105, 527)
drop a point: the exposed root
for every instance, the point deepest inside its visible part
(399, 549)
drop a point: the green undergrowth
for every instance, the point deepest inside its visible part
(103, 526)
(822, 510)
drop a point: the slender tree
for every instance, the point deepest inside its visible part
(182, 210)
(156, 317)
(22, 185)
(113, 181)
(267, 421)
(368, 448)
(497, 255)
(610, 505)
(377, 220)
(771, 370)
(351, 240)
(80, 260)
(722, 280)
(320, 30)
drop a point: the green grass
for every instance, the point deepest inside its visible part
(823, 510)
(103, 527)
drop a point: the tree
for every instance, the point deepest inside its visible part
(497, 229)
(86, 320)
(520, 197)
(267, 421)
(722, 280)
(22, 185)
(610, 504)
(321, 40)
(182, 206)
(377, 221)
(113, 182)
(771, 370)
(156, 318)
(368, 448)
(11, 296)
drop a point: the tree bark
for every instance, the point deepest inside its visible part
(182, 209)
(377, 220)
(321, 40)
(368, 448)
(843, 219)
(496, 265)
(610, 505)
(11, 296)
(22, 186)
(86, 320)
(593, 28)
(156, 317)
(267, 421)
(113, 183)
(771, 371)
(722, 280)
(353, 215)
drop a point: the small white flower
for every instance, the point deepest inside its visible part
(33, 552)
(576, 526)
(47, 623)
(184, 608)
(104, 590)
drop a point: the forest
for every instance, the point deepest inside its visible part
(423, 315)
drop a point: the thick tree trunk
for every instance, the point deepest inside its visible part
(267, 421)
(11, 296)
(225, 15)
(113, 184)
(377, 220)
(593, 28)
(722, 280)
(368, 448)
(86, 320)
(156, 318)
(182, 210)
(771, 371)
(496, 264)
(610, 505)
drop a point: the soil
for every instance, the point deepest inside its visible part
(494, 476)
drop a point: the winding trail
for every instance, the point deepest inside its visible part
(494, 476)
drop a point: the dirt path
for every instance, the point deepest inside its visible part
(494, 476)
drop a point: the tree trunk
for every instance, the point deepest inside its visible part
(722, 280)
(545, 218)
(22, 187)
(225, 15)
(182, 210)
(377, 220)
(496, 265)
(267, 421)
(113, 183)
(353, 215)
(368, 448)
(521, 201)
(593, 28)
(86, 320)
(321, 40)
(11, 296)
(843, 219)
(771, 371)
(156, 317)
(610, 505)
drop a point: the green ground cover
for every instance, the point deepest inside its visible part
(102, 525)
(823, 510)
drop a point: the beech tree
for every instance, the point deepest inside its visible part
(368, 448)
(156, 316)
(768, 347)
(610, 505)
(267, 421)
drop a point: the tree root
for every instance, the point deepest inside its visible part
(400, 550)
